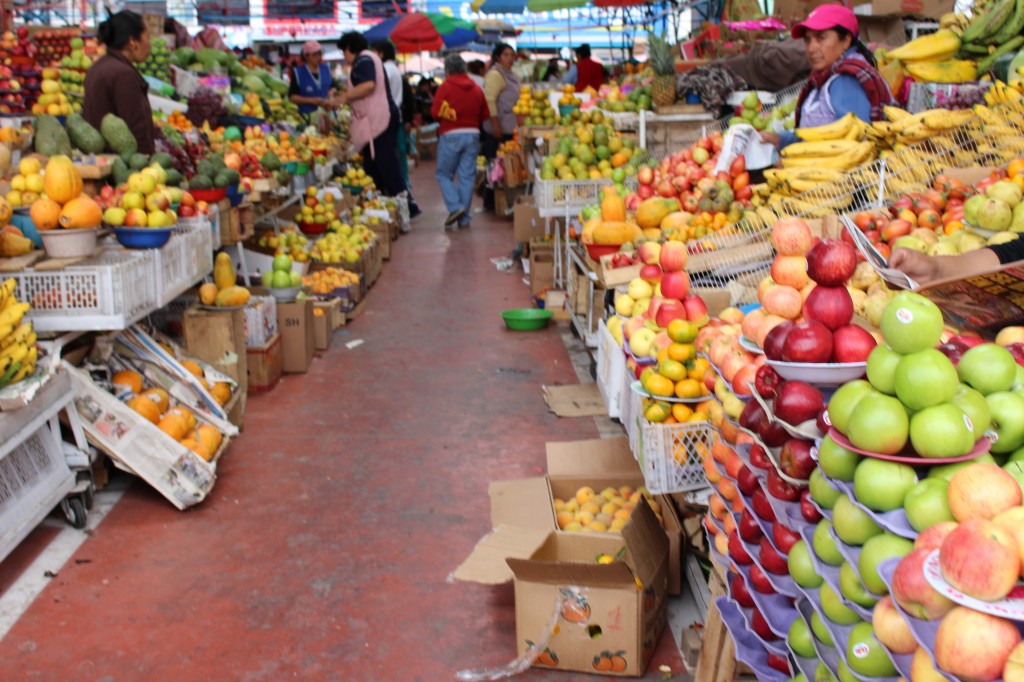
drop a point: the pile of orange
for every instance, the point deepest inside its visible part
(326, 281)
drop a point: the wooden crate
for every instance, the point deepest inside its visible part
(218, 338)
(717, 661)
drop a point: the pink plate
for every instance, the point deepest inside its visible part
(908, 456)
(1011, 607)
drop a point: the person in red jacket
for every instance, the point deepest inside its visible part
(460, 108)
(586, 72)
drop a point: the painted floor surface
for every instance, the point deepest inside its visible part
(323, 552)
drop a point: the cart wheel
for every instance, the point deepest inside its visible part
(593, 370)
(74, 511)
(573, 329)
(89, 497)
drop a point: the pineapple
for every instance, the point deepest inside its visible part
(663, 61)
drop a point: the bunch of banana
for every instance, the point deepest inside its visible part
(18, 351)
(940, 46)
(1003, 93)
(993, 27)
(956, 21)
(793, 181)
(847, 127)
(833, 155)
(906, 128)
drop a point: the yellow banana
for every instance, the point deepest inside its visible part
(16, 353)
(862, 152)
(12, 314)
(935, 47)
(28, 366)
(836, 130)
(7, 290)
(894, 113)
(944, 119)
(15, 335)
(818, 149)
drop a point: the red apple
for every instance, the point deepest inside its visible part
(776, 339)
(759, 581)
(780, 663)
(796, 460)
(645, 175)
(665, 189)
(696, 309)
(912, 591)
(780, 488)
(807, 508)
(675, 285)
(767, 381)
(797, 402)
(748, 527)
(770, 560)
(761, 628)
(891, 628)
(670, 309)
(974, 646)
(772, 433)
(852, 344)
(762, 507)
(736, 551)
(980, 559)
(746, 481)
(784, 538)
(738, 591)
(752, 416)
(758, 458)
(808, 341)
(831, 306)
(933, 536)
(831, 262)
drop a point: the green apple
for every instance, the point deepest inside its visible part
(845, 674)
(801, 567)
(835, 610)
(836, 461)
(281, 280)
(942, 431)
(946, 471)
(881, 368)
(296, 279)
(268, 279)
(925, 378)
(799, 677)
(866, 655)
(880, 485)
(799, 639)
(988, 368)
(823, 493)
(927, 504)
(973, 404)
(821, 633)
(911, 323)
(852, 524)
(825, 545)
(282, 263)
(852, 588)
(1016, 469)
(880, 424)
(823, 674)
(842, 402)
(1007, 411)
(874, 552)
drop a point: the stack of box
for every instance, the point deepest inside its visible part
(263, 344)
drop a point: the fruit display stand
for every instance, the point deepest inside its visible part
(34, 472)
(184, 260)
(584, 295)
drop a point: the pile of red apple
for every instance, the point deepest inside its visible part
(621, 259)
(806, 310)
(690, 177)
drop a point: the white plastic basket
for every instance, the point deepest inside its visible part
(671, 456)
(110, 291)
(183, 261)
(611, 371)
(33, 479)
(561, 198)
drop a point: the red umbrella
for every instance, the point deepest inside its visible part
(413, 32)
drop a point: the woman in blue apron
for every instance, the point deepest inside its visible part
(311, 84)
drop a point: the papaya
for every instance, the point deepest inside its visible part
(45, 213)
(224, 275)
(81, 212)
(613, 207)
(232, 296)
(207, 293)
(616, 233)
(652, 211)
(652, 233)
(587, 235)
(675, 220)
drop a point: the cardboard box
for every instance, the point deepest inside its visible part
(521, 508)
(883, 30)
(600, 597)
(325, 322)
(219, 340)
(527, 224)
(295, 320)
(542, 266)
(505, 200)
(263, 365)
(260, 321)
(514, 165)
(925, 9)
(791, 12)
(613, 277)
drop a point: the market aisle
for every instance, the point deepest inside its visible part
(323, 551)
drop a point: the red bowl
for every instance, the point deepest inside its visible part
(597, 250)
(209, 195)
(312, 228)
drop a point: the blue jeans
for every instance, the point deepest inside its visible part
(456, 153)
(403, 154)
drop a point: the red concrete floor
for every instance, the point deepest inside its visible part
(324, 550)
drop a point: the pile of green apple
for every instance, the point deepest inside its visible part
(998, 208)
(281, 276)
(751, 112)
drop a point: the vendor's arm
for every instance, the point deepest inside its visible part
(362, 81)
(923, 268)
(494, 83)
(848, 96)
(779, 140)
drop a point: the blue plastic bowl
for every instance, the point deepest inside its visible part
(235, 195)
(143, 237)
(23, 222)
(291, 166)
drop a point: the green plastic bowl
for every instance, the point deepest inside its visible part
(526, 319)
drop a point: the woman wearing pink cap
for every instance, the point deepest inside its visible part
(311, 85)
(843, 76)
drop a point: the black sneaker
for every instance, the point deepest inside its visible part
(414, 210)
(454, 217)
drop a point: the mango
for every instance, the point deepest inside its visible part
(208, 293)
(232, 296)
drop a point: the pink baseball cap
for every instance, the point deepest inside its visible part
(311, 47)
(825, 17)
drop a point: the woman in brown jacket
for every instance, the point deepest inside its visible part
(114, 86)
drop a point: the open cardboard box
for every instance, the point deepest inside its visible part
(523, 511)
(609, 616)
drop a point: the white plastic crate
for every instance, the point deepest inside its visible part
(183, 261)
(611, 371)
(671, 456)
(33, 478)
(560, 198)
(110, 291)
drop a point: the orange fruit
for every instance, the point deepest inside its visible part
(681, 412)
(186, 415)
(681, 351)
(687, 388)
(174, 425)
(221, 392)
(210, 437)
(660, 385)
(193, 366)
(128, 378)
(158, 396)
(146, 407)
(198, 448)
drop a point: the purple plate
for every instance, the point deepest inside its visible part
(749, 649)
(895, 521)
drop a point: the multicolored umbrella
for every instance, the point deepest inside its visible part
(498, 6)
(552, 5)
(418, 32)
